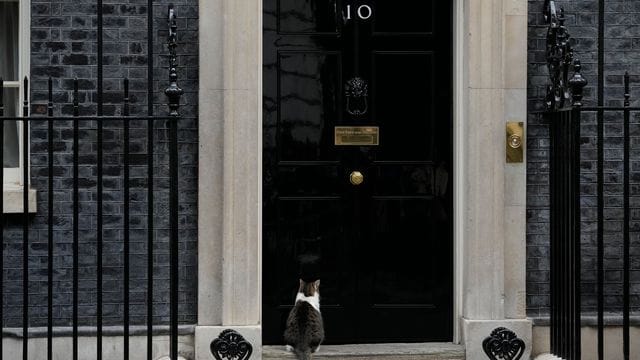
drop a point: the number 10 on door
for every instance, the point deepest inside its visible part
(364, 12)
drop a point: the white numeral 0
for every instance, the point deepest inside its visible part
(364, 12)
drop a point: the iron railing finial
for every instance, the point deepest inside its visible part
(577, 83)
(173, 92)
(560, 60)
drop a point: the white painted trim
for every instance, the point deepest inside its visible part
(25, 71)
(13, 201)
(459, 75)
(13, 176)
(260, 147)
(222, 84)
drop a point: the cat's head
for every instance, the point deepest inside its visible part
(309, 288)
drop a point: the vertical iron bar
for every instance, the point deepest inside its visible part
(99, 187)
(173, 92)
(574, 220)
(50, 227)
(600, 233)
(558, 233)
(626, 241)
(150, 212)
(126, 219)
(564, 237)
(1, 219)
(570, 239)
(568, 231)
(553, 233)
(561, 247)
(173, 186)
(600, 191)
(577, 84)
(568, 236)
(25, 221)
(577, 252)
(76, 212)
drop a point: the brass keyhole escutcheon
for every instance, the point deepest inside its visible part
(356, 178)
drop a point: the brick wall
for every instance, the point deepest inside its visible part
(64, 47)
(622, 52)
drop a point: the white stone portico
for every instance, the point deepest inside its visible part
(490, 89)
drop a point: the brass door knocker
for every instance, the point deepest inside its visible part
(356, 91)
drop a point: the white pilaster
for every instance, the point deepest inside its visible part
(230, 209)
(494, 191)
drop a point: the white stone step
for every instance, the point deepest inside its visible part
(425, 351)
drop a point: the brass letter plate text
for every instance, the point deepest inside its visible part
(357, 135)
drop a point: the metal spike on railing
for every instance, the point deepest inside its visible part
(25, 103)
(627, 91)
(577, 83)
(1, 96)
(76, 96)
(50, 102)
(173, 92)
(126, 100)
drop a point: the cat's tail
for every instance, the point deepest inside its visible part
(303, 354)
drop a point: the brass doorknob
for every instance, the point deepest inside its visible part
(356, 178)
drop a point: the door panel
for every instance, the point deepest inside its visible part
(385, 246)
(307, 16)
(405, 274)
(308, 94)
(313, 226)
(403, 17)
(403, 104)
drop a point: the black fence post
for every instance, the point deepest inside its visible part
(577, 84)
(50, 223)
(173, 92)
(1, 217)
(626, 337)
(564, 103)
(25, 221)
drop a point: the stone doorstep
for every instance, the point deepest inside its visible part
(426, 351)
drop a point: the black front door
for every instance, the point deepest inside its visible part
(360, 87)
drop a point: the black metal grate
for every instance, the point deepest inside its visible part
(173, 93)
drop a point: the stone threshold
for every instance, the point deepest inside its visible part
(422, 351)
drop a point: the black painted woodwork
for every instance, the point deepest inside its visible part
(386, 246)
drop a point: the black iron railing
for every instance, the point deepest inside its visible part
(566, 115)
(173, 93)
(564, 101)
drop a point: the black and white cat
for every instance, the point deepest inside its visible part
(305, 331)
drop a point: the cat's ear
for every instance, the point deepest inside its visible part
(317, 283)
